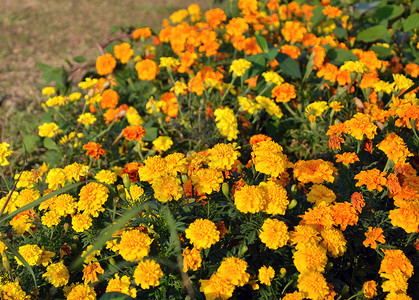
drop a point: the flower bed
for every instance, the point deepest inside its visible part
(266, 151)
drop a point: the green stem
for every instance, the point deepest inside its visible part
(229, 87)
(290, 110)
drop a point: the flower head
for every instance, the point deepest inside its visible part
(274, 234)
(148, 274)
(202, 233)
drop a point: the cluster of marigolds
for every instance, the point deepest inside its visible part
(250, 222)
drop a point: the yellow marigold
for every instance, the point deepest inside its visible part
(51, 218)
(169, 62)
(248, 105)
(336, 105)
(217, 287)
(374, 179)
(316, 109)
(148, 274)
(26, 180)
(92, 256)
(274, 234)
(361, 125)
(354, 67)
(133, 117)
(81, 222)
(23, 222)
(347, 158)
(276, 198)
(374, 235)
(48, 130)
(310, 257)
(55, 178)
(207, 180)
(407, 216)
(162, 143)
(191, 259)
(154, 167)
(134, 194)
(266, 274)
(269, 159)
(294, 296)
(92, 198)
(167, 187)
(123, 52)
(57, 274)
(313, 284)
(106, 176)
(369, 289)
(223, 156)
(49, 90)
(315, 171)
(4, 152)
(147, 69)
(273, 77)
(233, 269)
(395, 148)
(176, 162)
(31, 253)
(250, 199)
(396, 283)
(320, 195)
(105, 64)
(27, 196)
(57, 100)
(121, 285)
(240, 66)
(74, 96)
(226, 123)
(398, 296)
(270, 106)
(333, 241)
(134, 245)
(75, 171)
(82, 291)
(203, 233)
(86, 119)
(12, 290)
(304, 234)
(395, 259)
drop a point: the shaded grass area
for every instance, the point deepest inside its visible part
(51, 31)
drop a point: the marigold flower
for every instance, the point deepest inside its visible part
(90, 272)
(284, 92)
(320, 216)
(331, 11)
(276, 198)
(47, 130)
(217, 287)
(80, 222)
(315, 171)
(57, 274)
(361, 125)
(191, 259)
(82, 291)
(134, 133)
(274, 234)
(406, 217)
(240, 66)
(55, 178)
(12, 290)
(320, 195)
(374, 235)
(269, 159)
(141, 32)
(163, 143)
(214, 17)
(94, 150)
(134, 245)
(369, 289)
(266, 274)
(147, 69)
(121, 285)
(347, 158)
(226, 122)
(109, 99)
(106, 176)
(313, 284)
(148, 274)
(223, 156)
(123, 52)
(395, 148)
(304, 234)
(23, 222)
(357, 200)
(203, 233)
(92, 198)
(250, 199)
(293, 31)
(344, 214)
(167, 187)
(333, 241)
(233, 269)
(396, 283)
(374, 179)
(31, 253)
(310, 257)
(270, 106)
(207, 180)
(395, 259)
(105, 64)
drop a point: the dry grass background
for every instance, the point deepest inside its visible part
(51, 31)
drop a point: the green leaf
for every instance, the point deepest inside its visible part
(382, 52)
(317, 17)
(339, 56)
(411, 22)
(388, 12)
(263, 44)
(414, 6)
(288, 65)
(271, 54)
(79, 59)
(340, 32)
(258, 66)
(50, 144)
(115, 296)
(151, 134)
(30, 141)
(372, 34)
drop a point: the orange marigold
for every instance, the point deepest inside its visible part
(141, 32)
(315, 171)
(374, 179)
(249, 199)
(361, 125)
(134, 133)
(147, 69)
(395, 148)
(347, 158)
(284, 92)
(374, 235)
(357, 200)
(344, 214)
(274, 234)
(331, 11)
(94, 150)
(123, 52)
(109, 99)
(395, 259)
(105, 64)
(310, 257)
(313, 285)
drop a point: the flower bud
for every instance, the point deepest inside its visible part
(226, 190)
(283, 272)
(293, 203)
